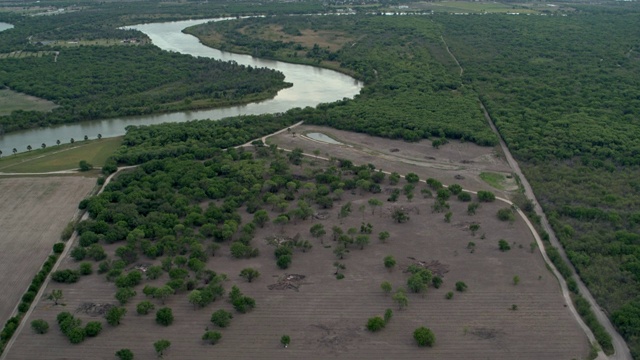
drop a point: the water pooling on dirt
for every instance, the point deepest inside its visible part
(322, 137)
(311, 86)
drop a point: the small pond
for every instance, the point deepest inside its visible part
(322, 137)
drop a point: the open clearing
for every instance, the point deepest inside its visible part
(11, 101)
(62, 157)
(34, 212)
(326, 317)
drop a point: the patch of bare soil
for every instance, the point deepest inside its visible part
(34, 212)
(455, 162)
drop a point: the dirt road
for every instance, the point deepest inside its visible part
(621, 349)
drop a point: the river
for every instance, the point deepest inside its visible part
(311, 86)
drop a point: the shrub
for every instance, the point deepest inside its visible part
(144, 307)
(424, 336)
(78, 253)
(503, 245)
(212, 337)
(93, 328)
(221, 318)
(164, 316)
(375, 324)
(58, 248)
(66, 276)
(461, 286)
(464, 196)
(40, 326)
(449, 295)
(505, 214)
(124, 354)
(86, 268)
(486, 196)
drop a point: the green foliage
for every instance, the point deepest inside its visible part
(221, 318)
(386, 287)
(436, 281)
(40, 326)
(161, 346)
(486, 196)
(123, 295)
(503, 245)
(461, 286)
(506, 214)
(67, 276)
(124, 354)
(464, 196)
(285, 340)
(144, 307)
(375, 324)
(114, 315)
(212, 337)
(401, 299)
(85, 268)
(424, 336)
(241, 303)
(164, 316)
(449, 295)
(58, 248)
(389, 262)
(93, 328)
(249, 274)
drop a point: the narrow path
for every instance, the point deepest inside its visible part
(620, 346)
(452, 56)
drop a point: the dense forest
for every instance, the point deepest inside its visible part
(413, 91)
(563, 93)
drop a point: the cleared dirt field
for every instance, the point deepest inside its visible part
(326, 317)
(34, 212)
(11, 101)
(462, 159)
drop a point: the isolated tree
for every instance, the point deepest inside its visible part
(503, 245)
(161, 346)
(43, 145)
(374, 203)
(249, 274)
(461, 286)
(394, 178)
(424, 336)
(99, 136)
(123, 295)
(486, 196)
(164, 316)
(474, 228)
(29, 148)
(400, 215)
(506, 214)
(85, 166)
(124, 354)
(336, 231)
(15, 151)
(386, 287)
(472, 207)
(0, 153)
(222, 318)
(93, 328)
(383, 236)
(114, 315)
(340, 251)
(455, 189)
(389, 262)
(388, 314)
(317, 231)
(401, 299)
(464, 196)
(412, 178)
(163, 293)
(436, 281)
(285, 340)
(375, 324)
(447, 217)
(284, 261)
(260, 218)
(58, 142)
(362, 240)
(516, 280)
(72, 140)
(55, 296)
(40, 326)
(339, 266)
(212, 337)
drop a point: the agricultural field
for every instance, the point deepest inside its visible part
(323, 299)
(11, 101)
(62, 157)
(475, 7)
(34, 213)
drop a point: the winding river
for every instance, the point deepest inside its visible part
(311, 86)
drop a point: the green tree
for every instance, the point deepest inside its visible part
(383, 236)
(388, 314)
(249, 274)
(212, 337)
(93, 328)
(472, 207)
(516, 280)
(40, 326)
(374, 203)
(317, 230)
(285, 340)
(474, 227)
(260, 218)
(124, 354)
(284, 261)
(400, 215)
(461, 286)
(362, 240)
(375, 324)
(503, 245)
(161, 346)
(506, 214)
(486, 196)
(163, 293)
(85, 166)
(195, 298)
(447, 217)
(164, 316)
(221, 318)
(437, 282)
(394, 178)
(400, 297)
(56, 296)
(389, 262)
(114, 315)
(144, 307)
(424, 336)
(386, 287)
(412, 178)
(123, 295)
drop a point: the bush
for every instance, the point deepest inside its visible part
(449, 295)
(164, 316)
(85, 166)
(455, 189)
(58, 248)
(76, 335)
(123, 295)
(86, 268)
(424, 336)
(212, 337)
(503, 245)
(144, 307)
(40, 326)
(93, 328)
(375, 324)
(461, 286)
(78, 253)
(284, 261)
(505, 214)
(66, 276)
(486, 196)
(221, 318)
(464, 196)
(124, 354)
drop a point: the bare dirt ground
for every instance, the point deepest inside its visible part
(34, 212)
(326, 317)
(456, 162)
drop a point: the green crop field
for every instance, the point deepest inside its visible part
(63, 157)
